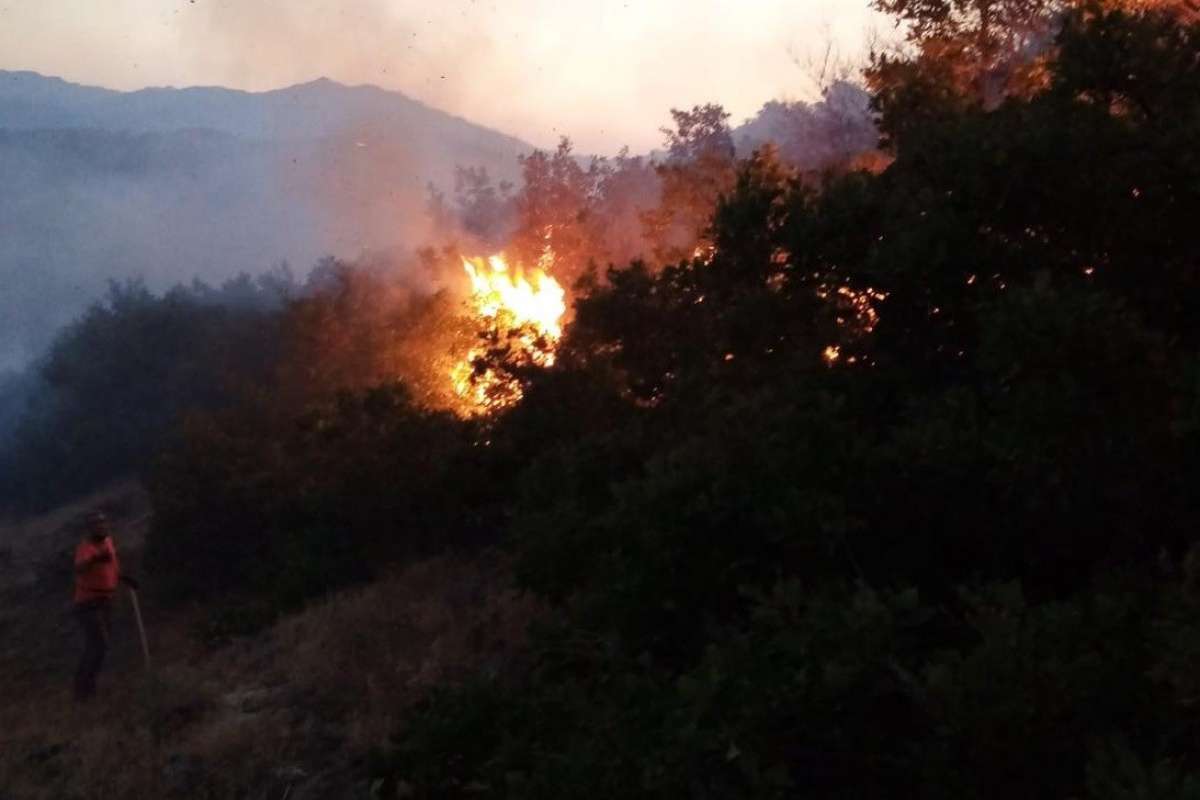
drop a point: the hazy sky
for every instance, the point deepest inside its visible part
(604, 72)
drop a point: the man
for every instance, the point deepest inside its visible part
(97, 572)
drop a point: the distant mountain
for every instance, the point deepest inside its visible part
(312, 110)
(169, 184)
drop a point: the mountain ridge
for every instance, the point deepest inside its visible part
(124, 105)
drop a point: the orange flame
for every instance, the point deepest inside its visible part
(527, 308)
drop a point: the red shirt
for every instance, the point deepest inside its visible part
(97, 580)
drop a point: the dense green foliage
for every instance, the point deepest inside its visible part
(952, 563)
(887, 493)
(298, 508)
(98, 404)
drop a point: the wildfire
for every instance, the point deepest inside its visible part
(537, 300)
(516, 308)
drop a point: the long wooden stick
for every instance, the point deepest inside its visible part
(137, 613)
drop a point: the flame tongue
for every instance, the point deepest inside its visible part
(525, 306)
(538, 301)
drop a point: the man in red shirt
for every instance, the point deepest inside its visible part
(97, 572)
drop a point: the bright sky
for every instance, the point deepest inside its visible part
(604, 72)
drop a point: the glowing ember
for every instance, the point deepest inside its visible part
(856, 313)
(521, 308)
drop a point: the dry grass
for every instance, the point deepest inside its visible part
(289, 712)
(366, 656)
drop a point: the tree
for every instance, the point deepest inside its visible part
(954, 558)
(117, 379)
(554, 210)
(982, 50)
(813, 137)
(699, 167)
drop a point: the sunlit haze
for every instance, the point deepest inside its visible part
(604, 72)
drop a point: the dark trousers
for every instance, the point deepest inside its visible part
(95, 617)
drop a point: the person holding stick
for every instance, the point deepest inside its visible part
(97, 573)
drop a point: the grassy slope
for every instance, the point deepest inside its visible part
(291, 712)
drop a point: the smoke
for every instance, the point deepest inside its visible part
(602, 73)
(260, 45)
(16, 391)
(297, 175)
(82, 208)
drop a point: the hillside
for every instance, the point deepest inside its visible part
(291, 711)
(875, 480)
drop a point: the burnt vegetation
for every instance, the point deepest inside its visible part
(864, 483)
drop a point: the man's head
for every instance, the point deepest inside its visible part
(98, 527)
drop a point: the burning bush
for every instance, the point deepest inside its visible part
(520, 316)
